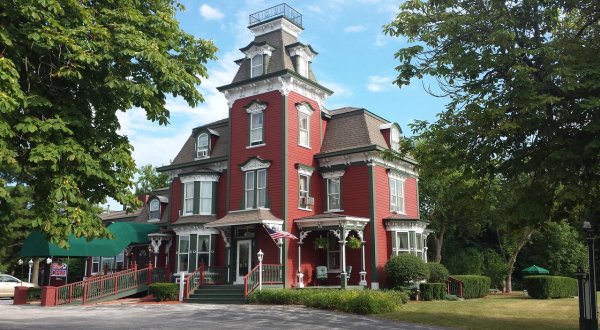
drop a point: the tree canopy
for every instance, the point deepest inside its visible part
(149, 180)
(66, 69)
(523, 78)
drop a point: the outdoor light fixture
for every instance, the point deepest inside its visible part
(48, 262)
(260, 256)
(30, 263)
(20, 263)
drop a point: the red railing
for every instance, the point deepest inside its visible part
(98, 287)
(272, 274)
(202, 276)
(454, 286)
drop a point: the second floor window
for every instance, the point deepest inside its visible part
(396, 195)
(255, 189)
(333, 194)
(188, 198)
(303, 193)
(303, 130)
(198, 198)
(256, 128)
(154, 210)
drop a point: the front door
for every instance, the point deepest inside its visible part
(243, 260)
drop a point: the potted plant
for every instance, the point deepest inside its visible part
(320, 242)
(353, 242)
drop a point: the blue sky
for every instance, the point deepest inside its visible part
(356, 61)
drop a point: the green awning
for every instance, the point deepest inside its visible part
(125, 233)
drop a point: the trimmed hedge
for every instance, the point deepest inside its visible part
(547, 287)
(437, 272)
(353, 301)
(474, 286)
(405, 268)
(164, 291)
(34, 294)
(432, 291)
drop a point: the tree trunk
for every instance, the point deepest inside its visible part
(439, 241)
(35, 270)
(522, 239)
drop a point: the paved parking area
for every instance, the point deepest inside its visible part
(188, 316)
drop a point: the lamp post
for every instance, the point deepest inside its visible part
(30, 263)
(588, 317)
(260, 256)
(20, 263)
(48, 262)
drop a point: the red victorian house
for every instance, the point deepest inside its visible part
(283, 161)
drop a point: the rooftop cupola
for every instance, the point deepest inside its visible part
(277, 17)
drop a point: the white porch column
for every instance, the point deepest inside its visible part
(343, 259)
(300, 275)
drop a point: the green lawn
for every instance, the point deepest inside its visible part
(501, 311)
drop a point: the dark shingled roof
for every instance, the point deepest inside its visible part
(188, 151)
(363, 125)
(244, 217)
(200, 219)
(279, 59)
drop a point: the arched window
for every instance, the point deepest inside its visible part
(154, 210)
(257, 66)
(202, 146)
(395, 139)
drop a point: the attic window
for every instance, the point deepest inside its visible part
(202, 146)
(395, 139)
(154, 210)
(257, 66)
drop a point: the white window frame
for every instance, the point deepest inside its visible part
(96, 268)
(253, 187)
(187, 198)
(154, 207)
(203, 185)
(180, 253)
(259, 130)
(333, 252)
(303, 193)
(208, 252)
(331, 195)
(202, 146)
(120, 259)
(397, 196)
(304, 113)
(402, 250)
(255, 65)
(394, 138)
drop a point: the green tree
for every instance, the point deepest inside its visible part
(149, 180)
(66, 68)
(524, 89)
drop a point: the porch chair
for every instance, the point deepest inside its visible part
(321, 273)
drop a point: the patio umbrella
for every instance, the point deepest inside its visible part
(534, 270)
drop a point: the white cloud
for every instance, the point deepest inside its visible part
(379, 83)
(380, 40)
(211, 13)
(354, 28)
(339, 90)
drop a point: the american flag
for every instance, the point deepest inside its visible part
(275, 234)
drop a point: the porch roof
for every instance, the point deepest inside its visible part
(246, 217)
(329, 220)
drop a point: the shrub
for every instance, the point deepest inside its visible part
(437, 272)
(432, 291)
(404, 268)
(450, 297)
(474, 286)
(353, 301)
(164, 291)
(547, 287)
(34, 294)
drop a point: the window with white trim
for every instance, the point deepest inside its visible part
(412, 242)
(256, 128)
(256, 64)
(154, 210)
(95, 265)
(206, 196)
(333, 194)
(333, 253)
(202, 146)
(303, 130)
(188, 198)
(397, 195)
(183, 253)
(304, 192)
(402, 245)
(255, 189)
(395, 138)
(203, 250)
(120, 260)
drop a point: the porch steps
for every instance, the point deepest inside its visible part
(218, 294)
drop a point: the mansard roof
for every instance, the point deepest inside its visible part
(188, 151)
(352, 128)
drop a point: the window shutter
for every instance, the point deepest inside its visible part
(213, 247)
(249, 71)
(295, 63)
(196, 197)
(193, 258)
(265, 63)
(325, 193)
(213, 209)
(341, 195)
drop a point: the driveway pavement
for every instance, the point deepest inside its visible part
(188, 316)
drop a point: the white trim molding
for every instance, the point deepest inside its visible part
(255, 164)
(278, 24)
(194, 229)
(256, 107)
(333, 174)
(199, 177)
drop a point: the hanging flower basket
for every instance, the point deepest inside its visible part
(320, 242)
(353, 242)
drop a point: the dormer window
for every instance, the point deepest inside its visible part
(257, 66)
(395, 138)
(154, 211)
(202, 146)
